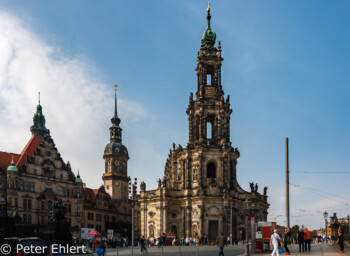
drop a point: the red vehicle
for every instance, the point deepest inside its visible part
(169, 237)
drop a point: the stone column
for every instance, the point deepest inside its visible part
(188, 220)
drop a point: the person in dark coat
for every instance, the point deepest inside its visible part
(220, 240)
(143, 244)
(287, 235)
(341, 239)
(301, 241)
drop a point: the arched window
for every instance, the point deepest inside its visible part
(49, 205)
(211, 170)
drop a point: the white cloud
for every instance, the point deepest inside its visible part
(76, 102)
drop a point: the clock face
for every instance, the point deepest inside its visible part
(117, 183)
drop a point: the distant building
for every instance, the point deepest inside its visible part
(199, 189)
(31, 181)
(108, 207)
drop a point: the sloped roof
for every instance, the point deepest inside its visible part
(29, 150)
(20, 159)
(6, 158)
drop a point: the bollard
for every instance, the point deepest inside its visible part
(247, 249)
(180, 249)
(162, 250)
(117, 251)
(197, 250)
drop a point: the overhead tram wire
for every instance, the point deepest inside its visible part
(319, 194)
(320, 172)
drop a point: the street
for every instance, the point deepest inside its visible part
(316, 249)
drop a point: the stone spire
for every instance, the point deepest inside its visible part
(38, 126)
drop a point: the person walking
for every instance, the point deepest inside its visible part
(307, 238)
(143, 245)
(287, 236)
(275, 239)
(300, 238)
(341, 239)
(220, 241)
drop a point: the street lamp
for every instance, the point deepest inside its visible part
(247, 207)
(325, 216)
(231, 205)
(2, 202)
(132, 190)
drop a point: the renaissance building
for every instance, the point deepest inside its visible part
(32, 180)
(199, 192)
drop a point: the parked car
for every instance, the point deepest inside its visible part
(28, 242)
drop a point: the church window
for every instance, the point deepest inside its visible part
(27, 187)
(32, 187)
(211, 170)
(78, 193)
(209, 130)
(49, 205)
(209, 79)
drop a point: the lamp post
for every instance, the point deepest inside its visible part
(231, 205)
(247, 207)
(132, 190)
(325, 216)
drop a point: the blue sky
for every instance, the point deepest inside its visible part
(286, 68)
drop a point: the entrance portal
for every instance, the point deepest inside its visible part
(213, 230)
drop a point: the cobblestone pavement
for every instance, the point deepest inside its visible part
(236, 250)
(316, 249)
(179, 251)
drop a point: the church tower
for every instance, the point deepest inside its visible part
(209, 114)
(199, 193)
(116, 158)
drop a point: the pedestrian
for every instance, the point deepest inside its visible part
(102, 246)
(220, 241)
(300, 238)
(275, 240)
(143, 245)
(307, 238)
(287, 236)
(228, 240)
(341, 239)
(126, 242)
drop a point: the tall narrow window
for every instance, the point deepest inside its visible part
(209, 130)
(211, 170)
(209, 79)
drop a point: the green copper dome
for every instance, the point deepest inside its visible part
(78, 179)
(12, 167)
(209, 35)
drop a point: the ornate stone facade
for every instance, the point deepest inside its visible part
(35, 178)
(199, 188)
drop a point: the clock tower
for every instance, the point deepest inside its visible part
(116, 158)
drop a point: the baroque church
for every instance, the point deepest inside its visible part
(199, 193)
